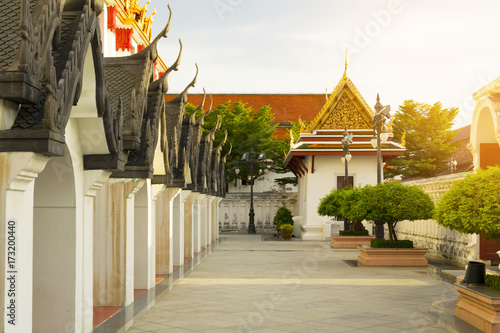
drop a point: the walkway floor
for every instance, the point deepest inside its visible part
(248, 284)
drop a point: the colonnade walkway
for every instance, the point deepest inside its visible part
(250, 284)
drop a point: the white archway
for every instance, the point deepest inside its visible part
(55, 247)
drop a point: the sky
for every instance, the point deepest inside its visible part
(425, 50)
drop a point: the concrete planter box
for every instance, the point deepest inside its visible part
(349, 242)
(479, 306)
(391, 257)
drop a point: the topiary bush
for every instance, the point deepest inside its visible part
(345, 203)
(331, 204)
(385, 243)
(286, 229)
(353, 232)
(392, 202)
(492, 281)
(472, 204)
(283, 216)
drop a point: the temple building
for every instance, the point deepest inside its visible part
(316, 158)
(105, 187)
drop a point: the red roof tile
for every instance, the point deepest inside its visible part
(286, 107)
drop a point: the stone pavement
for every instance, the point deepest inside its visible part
(248, 284)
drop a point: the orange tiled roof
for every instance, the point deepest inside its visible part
(286, 107)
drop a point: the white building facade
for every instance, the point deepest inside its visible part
(316, 157)
(104, 185)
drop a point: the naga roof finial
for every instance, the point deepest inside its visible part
(345, 70)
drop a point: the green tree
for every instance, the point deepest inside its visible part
(283, 216)
(428, 138)
(331, 204)
(347, 203)
(472, 204)
(392, 202)
(246, 128)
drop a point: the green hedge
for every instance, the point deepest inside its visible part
(385, 243)
(492, 281)
(353, 233)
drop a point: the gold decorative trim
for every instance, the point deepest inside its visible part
(342, 83)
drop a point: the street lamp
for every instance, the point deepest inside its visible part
(346, 157)
(452, 165)
(381, 113)
(249, 161)
(236, 171)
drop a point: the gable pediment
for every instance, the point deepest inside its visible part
(345, 111)
(345, 107)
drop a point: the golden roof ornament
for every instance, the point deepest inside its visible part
(403, 139)
(302, 125)
(345, 106)
(345, 70)
(137, 14)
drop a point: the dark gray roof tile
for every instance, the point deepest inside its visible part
(10, 36)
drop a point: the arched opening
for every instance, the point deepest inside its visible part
(489, 150)
(54, 247)
(488, 154)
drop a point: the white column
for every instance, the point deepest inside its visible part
(210, 219)
(197, 224)
(218, 218)
(129, 243)
(164, 231)
(203, 221)
(189, 225)
(18, 172)
(178, 228)
(156, 192)
(174, 194)
(142, 232)
(94, 180)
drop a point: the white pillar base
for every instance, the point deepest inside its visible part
(312, 232)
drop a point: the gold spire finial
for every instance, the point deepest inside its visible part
(345, 70)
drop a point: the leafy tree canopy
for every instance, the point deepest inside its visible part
(246, 128)
(331, 204)
(392, 202)
(428, 136)
(472, 204)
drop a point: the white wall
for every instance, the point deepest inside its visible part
(319, 182)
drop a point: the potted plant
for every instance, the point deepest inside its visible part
(286, 231)
(283, 216)
(393, 202)
(472, 205)
(346, 203)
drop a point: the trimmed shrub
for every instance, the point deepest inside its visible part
(283, 216)
(472, 204)
(387, 244)
(331, 204)
(392, 202)
(353, 232)
(286, 229)
(492, 281)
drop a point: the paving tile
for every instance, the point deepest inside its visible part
(247, 285)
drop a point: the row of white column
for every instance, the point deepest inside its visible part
(84, 240)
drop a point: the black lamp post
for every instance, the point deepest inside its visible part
(249, 161)
(452, 165)
(346, 157)
(381, 113)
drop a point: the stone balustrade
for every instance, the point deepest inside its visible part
(441, 242)
(234, 209)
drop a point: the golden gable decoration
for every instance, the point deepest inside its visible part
(345, 114)
(136, 13)
(345, 106)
